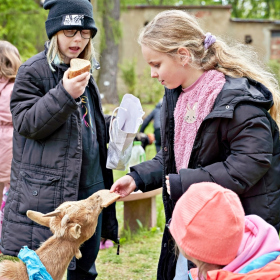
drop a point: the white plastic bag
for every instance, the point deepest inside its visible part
(122, 132)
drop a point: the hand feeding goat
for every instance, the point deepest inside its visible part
(72, 223)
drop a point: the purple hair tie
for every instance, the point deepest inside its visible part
(209, 40)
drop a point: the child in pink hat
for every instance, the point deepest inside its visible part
(211, 229)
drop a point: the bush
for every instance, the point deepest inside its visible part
(148, 90)
(274, 66)
(22, 23)
(128, 75)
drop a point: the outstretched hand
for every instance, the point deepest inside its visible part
(124, 186)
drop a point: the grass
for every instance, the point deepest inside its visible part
(137, 260)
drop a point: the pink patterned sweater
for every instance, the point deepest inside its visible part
(193, 105)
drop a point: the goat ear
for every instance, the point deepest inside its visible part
(53, 213)
(75, 231)
(38, 218)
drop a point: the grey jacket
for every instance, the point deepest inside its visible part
(47, 153)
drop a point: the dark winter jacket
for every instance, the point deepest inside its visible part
(154, 115)
(47, 153)
(237, 146)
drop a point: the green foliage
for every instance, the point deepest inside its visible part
(139, 224)
(104, 8)
(267, 9)
(22, 23)
(274, 66)
(116, 29)
(126, 233)
(160, 213)
(148, 90)
(128, 74)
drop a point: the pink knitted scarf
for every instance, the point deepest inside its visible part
(193, 105)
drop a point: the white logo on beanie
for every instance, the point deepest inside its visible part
(73, 20)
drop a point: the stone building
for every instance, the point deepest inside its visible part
(263, 35)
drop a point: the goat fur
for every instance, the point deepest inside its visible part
(72, 223)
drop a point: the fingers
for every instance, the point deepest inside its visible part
(66, 73)
(124, 186)
(75, 86)
(167, 181)
(167, 184)
(113, 188)
(66, 76)
(83, 76)
(168, 190)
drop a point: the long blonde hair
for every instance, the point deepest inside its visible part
(9, 61)
(53, 51)
(173, 29)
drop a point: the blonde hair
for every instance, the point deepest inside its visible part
(88, 53)
(202, 267)
(9, 61)
(172, 29)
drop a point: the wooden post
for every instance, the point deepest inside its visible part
(141, 206)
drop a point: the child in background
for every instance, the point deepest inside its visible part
(219, 121)
(210, 229)
(9, 64)
(60, 137)
(154, 115)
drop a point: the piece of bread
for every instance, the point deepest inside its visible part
(78, 66)
(107, 197)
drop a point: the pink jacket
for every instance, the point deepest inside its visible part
(6, 130)
(259, 239)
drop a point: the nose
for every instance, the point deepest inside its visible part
(78, 36)
(154, 73)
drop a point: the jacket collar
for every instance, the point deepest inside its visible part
(238, 90)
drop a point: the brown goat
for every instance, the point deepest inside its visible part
(72, 223)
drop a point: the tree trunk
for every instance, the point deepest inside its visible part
(107, 79)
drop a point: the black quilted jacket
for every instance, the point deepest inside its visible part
(237, 146)
(47, 153)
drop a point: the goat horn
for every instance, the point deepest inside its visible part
(64, 220)
(53, 213)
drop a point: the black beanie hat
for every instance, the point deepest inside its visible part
(69, 14)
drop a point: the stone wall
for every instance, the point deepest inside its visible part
(214, 19)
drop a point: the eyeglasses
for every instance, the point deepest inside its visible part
(86, 34)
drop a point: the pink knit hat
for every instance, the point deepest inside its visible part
(208, 223)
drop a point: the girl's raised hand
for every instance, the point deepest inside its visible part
(75, 86)
(124, 186)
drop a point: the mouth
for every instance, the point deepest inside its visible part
(74, 49)
(162, 82)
